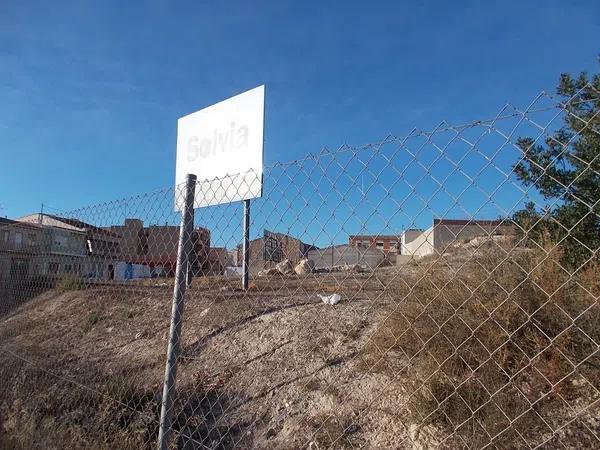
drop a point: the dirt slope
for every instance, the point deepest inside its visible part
(275, 367)
(262, 369)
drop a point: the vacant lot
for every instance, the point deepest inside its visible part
(485, 346)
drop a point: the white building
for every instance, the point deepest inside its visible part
(445, 232)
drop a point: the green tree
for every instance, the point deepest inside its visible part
(566, 168)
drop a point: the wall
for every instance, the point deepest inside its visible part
(129, 233)
(446, 232)
(67, 242)
(346, 255)
(157, 245)
(68, 245)
(449, 232)
(290, 247)
(40, 246)
(387, 243)
(419, 243)
(407, 237)
(217, 261)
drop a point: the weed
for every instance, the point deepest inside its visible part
(92, 320)
(70, 283)
(485, 341)
(335, 431)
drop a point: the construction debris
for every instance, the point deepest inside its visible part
(268, 272)
(330, 299)
(304, 267)
(285, 267)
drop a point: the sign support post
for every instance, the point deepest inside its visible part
(246, 245)
(212, 143)
(183, 256)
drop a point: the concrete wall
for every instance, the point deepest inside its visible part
(406, 238)
(346, 255)
(448, 233)
(419, 243)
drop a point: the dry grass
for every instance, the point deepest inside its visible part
(337, 431)
(70, 283)
(104, 412)
(491, 345)
(112, 414)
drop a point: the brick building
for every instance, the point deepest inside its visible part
(385, 243)
(156, 246)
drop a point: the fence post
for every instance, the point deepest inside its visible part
(246, 245)
(183, 252)
(190, 268)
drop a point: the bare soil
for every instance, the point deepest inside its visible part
(272, 367)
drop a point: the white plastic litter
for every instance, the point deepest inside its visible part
(330, 299)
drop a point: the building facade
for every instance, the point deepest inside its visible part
(445, 233)
(272, 248)
(77, 247)
(21, 246)
(218, 260)
(385, 243)
(34, 256)
(156, 246)
(346, 255)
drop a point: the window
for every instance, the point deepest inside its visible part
(52, 268)
(18, 239)
(68, 268)
(32, 239)
(19, 268)
(60, 240)
(380, 245)
(4, 235)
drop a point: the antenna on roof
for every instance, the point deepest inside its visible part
(41, 215)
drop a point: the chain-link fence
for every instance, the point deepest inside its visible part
(422, 291)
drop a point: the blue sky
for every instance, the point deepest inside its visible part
(91, 91)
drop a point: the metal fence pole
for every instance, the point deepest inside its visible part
(190, 269)
(246, 245)
(183, 252)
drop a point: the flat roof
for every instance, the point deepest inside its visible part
(374, 236)
(467, 222)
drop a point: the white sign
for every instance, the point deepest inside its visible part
(223, 146)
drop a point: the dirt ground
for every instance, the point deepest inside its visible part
(272, 367)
